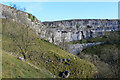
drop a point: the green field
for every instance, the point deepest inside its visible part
(0, 48)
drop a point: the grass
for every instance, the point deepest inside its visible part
(46, 55)
(33, 18)
(102, 38)
(14, 68)
(0, 48)
(107, 55)
(91, 40)
(111, 43)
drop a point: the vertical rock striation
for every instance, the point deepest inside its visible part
(75, 30)
(58, 32)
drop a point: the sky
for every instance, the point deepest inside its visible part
(54, 11)
(60, 0)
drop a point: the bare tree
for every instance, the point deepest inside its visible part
(17, 7)
(52, 37)
(24, 9)
(23, 37)
(63, 40)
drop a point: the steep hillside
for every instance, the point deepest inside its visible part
(106, 55)
(75, 47)
(42, 53)
(58, 32)
(14, 68)
(19, 39)
(0, 48)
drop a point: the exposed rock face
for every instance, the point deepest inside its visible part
(1, 11)
(77, 48)
(20, 17)
(58, 32)
(74, 30)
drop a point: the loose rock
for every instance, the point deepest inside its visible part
(65, 74)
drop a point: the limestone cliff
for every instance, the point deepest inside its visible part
(24, 18)
(62, 31)
(74, 30)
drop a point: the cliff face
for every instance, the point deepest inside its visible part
(77, 48)
(61, 31)
(20, 17)
(74, 30)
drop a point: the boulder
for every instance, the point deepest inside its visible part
(68, 60)
(64, 59)
(20, 58)
(61, 60)
(65, 74)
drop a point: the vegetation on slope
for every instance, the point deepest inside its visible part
(103, 38)
(0, 48)
(44, 54)
(104, 55)
(14, 68)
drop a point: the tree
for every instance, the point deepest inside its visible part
(17, 8)
(62, 43)
(77, 26)
(89, 30)
(52, 37)
(22, 37)
(25, 40)
(24, 9)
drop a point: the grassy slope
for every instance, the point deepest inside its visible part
(0, 48)
(107, 54)
(111, 44)
(107, 64)
(14, 68)
(47, 55)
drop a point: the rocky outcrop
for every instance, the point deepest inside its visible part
(18, 16)
(65, 74)
(77, 48)
(75, 30)
(58, 32)
(20, 58)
